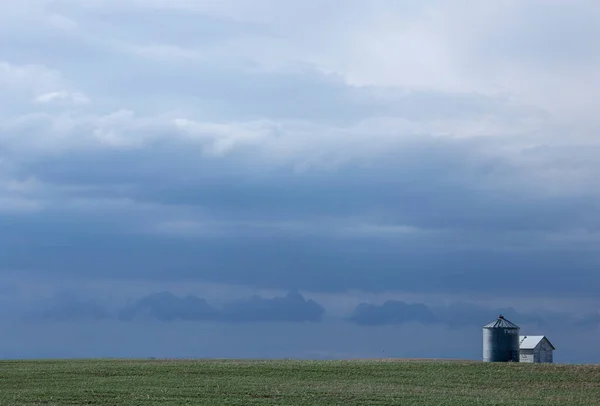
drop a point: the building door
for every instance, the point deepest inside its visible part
(542, 354)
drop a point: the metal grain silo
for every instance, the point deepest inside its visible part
(501, 341)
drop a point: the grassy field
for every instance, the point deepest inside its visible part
(215, 382)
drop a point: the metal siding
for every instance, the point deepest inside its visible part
(542, 353)
(501, 344)
(526, 356)
(545, 352)
(536, 355)
(530, 342)
(501, 322)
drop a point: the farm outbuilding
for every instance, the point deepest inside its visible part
(535, 349)
(501, 341)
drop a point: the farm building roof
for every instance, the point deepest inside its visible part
(501, 322)
(530, 342)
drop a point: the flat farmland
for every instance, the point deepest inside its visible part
(258, 382)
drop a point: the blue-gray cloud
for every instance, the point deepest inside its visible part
(234, 145)
(284, 259)
(67, 307)
(166, 306)
(460, 315)
(344, 228)
(392, 312)
(292, 307)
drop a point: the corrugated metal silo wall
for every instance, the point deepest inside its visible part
(501, 344)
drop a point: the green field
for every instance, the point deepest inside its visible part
(215, 382)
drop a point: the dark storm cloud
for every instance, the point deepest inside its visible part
(68, 307)
(455, 315)
(392, 312)
(92, 247)
(166, 306)
(293, 307)
(414, 185)
(290, 260)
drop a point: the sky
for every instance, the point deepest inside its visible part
(302, 179)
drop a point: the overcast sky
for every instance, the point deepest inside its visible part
(295, 178)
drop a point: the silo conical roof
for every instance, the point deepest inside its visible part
(501, 322)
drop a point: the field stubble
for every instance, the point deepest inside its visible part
(257, 382)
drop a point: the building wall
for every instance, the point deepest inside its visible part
(526, 356)
(536, 354)
(500, 344)
(543, 353)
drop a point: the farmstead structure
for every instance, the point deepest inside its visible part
(536, 349)
(502, 343)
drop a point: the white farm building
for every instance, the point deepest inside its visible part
(536, 349)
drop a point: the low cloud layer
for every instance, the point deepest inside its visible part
(295, 308)
(280, 326)
(462, 315)
(295, 146)
(168, 307)
(292, 308)
(68, 307)
(392, 312)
